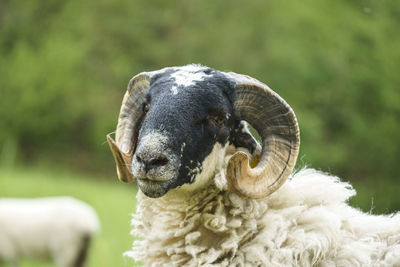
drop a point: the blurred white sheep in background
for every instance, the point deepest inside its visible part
(58, 228)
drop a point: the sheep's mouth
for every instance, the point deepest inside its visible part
(154, 188)
(151, 182)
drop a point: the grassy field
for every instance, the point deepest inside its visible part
(113, 201)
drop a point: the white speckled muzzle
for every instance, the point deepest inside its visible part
(154, 164)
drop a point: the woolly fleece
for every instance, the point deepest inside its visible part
(307, 222)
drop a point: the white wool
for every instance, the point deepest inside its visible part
(50, 227)
(307, 222)
(186, 76)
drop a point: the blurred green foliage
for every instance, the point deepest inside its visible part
(64, 66)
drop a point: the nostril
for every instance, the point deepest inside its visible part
(148, 162)
(161, 161)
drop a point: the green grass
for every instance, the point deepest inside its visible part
(113, 201)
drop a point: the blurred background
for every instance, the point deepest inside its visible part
(64, 67)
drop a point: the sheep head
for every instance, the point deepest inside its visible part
(175, 124)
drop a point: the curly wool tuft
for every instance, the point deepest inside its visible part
(307, 222)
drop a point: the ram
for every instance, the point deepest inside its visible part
(210, 195)
(58, 228)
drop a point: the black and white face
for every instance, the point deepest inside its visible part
(188, 119)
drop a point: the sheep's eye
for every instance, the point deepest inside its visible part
(218, 121)
(145, 107)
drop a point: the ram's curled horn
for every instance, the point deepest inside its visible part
(277, 125)
(129, 121)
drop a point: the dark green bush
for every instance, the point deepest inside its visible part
(65, 64)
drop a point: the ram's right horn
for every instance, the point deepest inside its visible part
(277, 125)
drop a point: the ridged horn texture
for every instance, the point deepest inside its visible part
(129, 122)
(277, 125)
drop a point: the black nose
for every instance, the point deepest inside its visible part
(152, 162)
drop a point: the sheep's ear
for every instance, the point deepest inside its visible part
(241, 137)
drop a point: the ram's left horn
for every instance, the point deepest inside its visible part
(129, 122)
(123, 162)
